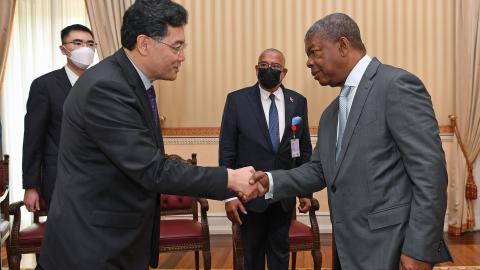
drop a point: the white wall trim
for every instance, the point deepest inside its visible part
(219, 223)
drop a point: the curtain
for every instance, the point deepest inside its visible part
(33, 51)
(7, 9)
(106, 19)
(467, 116)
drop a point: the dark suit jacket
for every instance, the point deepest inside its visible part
(387, 191)
(42, 131)
(245, 141)
(104, 212)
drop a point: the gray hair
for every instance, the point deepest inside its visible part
(335, 26)
(272, 51)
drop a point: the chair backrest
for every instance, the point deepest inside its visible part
(179, 205)
(4, 194)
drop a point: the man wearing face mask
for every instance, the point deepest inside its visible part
(256, 131)
(44, 115)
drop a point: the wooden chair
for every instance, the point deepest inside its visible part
(301, 237)
(27, 240)
(4, 201)
(185, 234)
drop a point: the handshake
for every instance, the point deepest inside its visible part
(247, 184)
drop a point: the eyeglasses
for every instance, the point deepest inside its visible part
(178, 49)
(273, 66)
(79, 42)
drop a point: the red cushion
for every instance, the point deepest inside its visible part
(169, 202)
(299, 233)
(32, 235)
(175, 232)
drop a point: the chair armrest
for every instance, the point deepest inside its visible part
(315, 205)
(14, 209)
(204, 221)
(203, 204)
(314, 223)
(203, 212)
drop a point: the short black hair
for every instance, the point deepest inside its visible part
(74, 27)
(151, 18)
(335, 26)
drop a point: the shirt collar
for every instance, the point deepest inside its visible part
(265, 95)
(146, 82)
(357, 72)
(72, 77)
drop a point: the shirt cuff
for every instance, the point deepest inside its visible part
(230, 199)
(269, 194)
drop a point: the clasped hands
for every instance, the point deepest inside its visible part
(247, 184)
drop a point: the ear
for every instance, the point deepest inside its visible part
(284, 72)
(142, 45)
(62, 50)
(344, 46)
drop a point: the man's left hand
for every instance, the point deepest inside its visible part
(305, 204)
(409, 263)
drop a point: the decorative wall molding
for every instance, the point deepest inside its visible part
(209, 135)
(183, 140)
(215, 131)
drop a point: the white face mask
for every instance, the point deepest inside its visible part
(82, 57)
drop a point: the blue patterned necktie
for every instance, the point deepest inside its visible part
(343, 111)
(273, 128)
(153, 105)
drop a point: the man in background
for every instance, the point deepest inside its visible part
(379, 155)
(256, 130)
(44, 115)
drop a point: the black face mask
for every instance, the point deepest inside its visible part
(268, 77)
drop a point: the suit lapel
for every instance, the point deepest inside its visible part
(290, 104)
(134, 80)
(331, 134)
(63, 81)
(357, 106)
(256, 105)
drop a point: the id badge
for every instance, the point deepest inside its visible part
(295, 146)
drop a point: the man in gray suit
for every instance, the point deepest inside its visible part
(378, 153)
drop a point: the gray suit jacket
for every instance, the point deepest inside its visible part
(387, 191)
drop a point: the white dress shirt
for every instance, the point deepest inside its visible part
(279, 102)
(353, 80)
(72, 77)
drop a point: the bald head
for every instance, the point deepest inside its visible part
(272, 52)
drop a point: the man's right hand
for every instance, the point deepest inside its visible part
(31, 200)
(260, 179)
(238, 183)
(232, 207)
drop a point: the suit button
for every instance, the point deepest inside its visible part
(333, 188)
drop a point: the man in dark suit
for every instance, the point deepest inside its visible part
(378, 153)
(256, 131)
(44, 115)
(105, 210)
